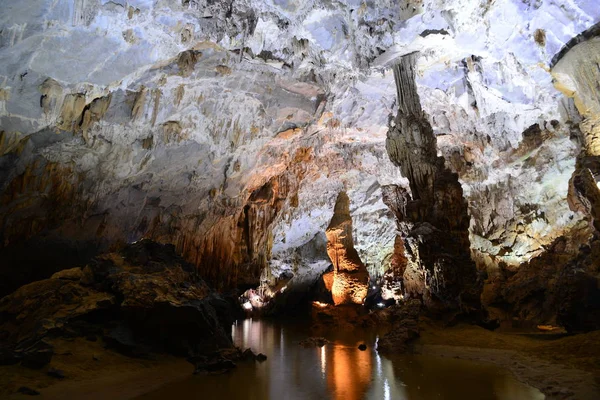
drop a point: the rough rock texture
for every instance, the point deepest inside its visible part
(142, 299)
(405, 328)
(349, 279)
(557, 288)
(577, 75)
(223, 360)
(432, 218)
(575, 283)
(228, 128)
(345, 317)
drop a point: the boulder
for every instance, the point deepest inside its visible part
(405, 328)
(36, 356)
(223, 360)
(73, 274)
(121, 338)
(248, 355)
(143, 299)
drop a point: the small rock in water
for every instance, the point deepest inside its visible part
(260, 357)
(232, 354)
(248, 355)
(56, 373)
(28, 391)
(362, 347)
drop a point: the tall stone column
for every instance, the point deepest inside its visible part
(432, 219)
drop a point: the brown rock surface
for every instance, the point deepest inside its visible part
(555, 288)
(141, 299)
(405, 328)
(433, 218)
(350, 276)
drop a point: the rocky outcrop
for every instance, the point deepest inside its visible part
(348, 282)
(161, 120)
(509, 223)
(223, 360)
(328, 318)
(140, 300)
(557, 288)
(432, 218)
(404, 320)
(560, 286)
(576, 74)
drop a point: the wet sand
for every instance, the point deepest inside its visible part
(561, 368)
(92, 372)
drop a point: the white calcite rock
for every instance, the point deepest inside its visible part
(162, 118)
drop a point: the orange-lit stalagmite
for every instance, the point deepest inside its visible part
(348, 281)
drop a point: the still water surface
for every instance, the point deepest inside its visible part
(340, 371)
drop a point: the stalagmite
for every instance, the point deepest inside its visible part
(349, 278)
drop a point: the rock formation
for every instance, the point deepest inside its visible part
(432, 218)
(348, 282)
(405, 328)
(227, 129)
(140, 300)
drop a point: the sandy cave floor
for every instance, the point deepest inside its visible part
(92, 373)
(562, 367)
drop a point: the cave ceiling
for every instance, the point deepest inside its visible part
(229, 128)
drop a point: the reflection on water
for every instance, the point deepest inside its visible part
(342, 372)
(350, 372)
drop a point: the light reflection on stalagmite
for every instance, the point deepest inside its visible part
(348, 282)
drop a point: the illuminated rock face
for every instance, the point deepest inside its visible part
(349, 279)
(432, 218)
(577, 74)
(228, 128)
